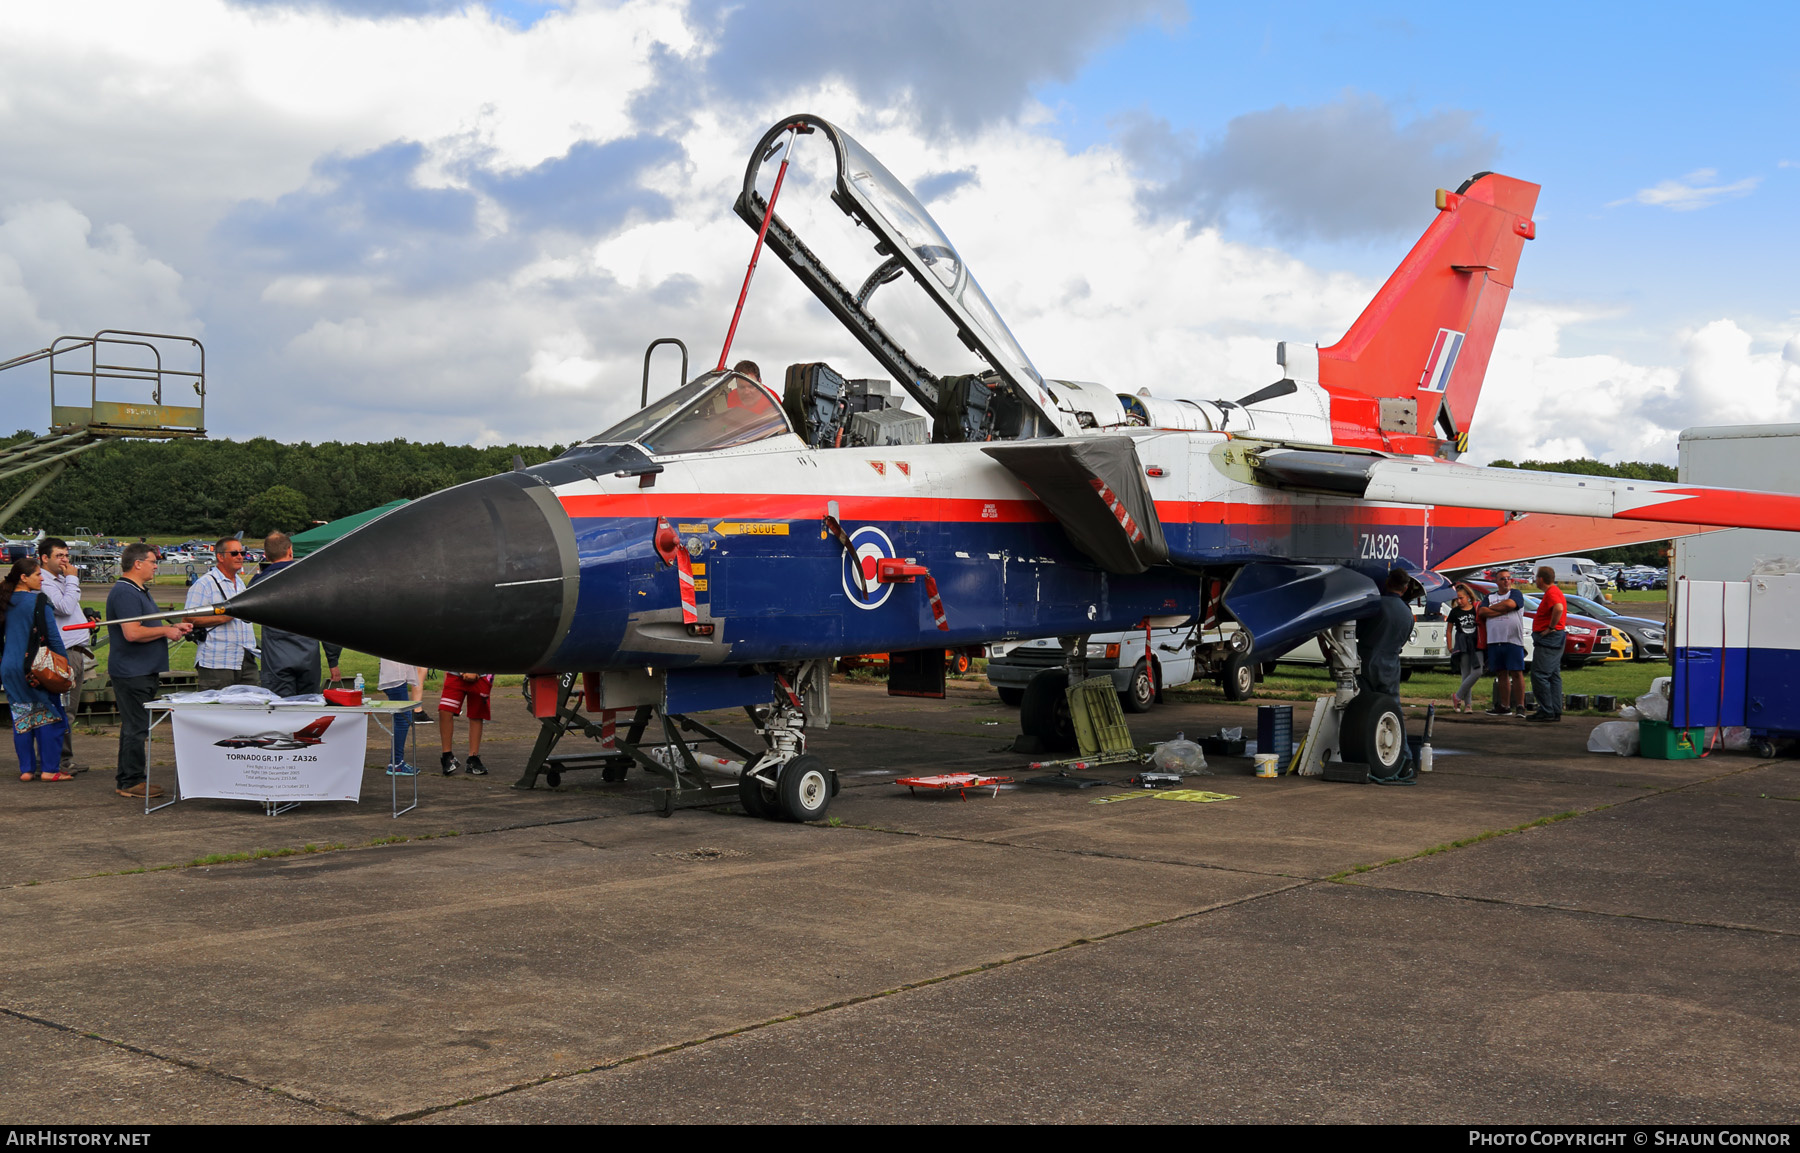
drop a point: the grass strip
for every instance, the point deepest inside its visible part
(1462, 844)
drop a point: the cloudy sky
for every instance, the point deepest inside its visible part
(464, 221)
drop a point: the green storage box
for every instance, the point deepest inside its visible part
(1662, 741)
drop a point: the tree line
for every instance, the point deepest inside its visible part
(130, 488)
(1655, 552)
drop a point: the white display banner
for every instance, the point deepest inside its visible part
(288, 754)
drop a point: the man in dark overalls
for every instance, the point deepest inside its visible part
(1379, 638)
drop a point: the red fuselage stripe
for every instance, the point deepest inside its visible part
(788, 507)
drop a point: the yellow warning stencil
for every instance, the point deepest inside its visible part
(1166, 795)
(749, 528)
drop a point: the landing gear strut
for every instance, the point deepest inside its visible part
(786, 782)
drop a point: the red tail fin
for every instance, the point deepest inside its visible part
(1428, 333)
(315, 732)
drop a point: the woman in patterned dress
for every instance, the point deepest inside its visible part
(38, 719)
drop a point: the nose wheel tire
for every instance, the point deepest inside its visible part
(804, 788)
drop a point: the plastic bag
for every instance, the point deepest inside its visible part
(245, 695)
(1628, 713)
(1654, 705)
(1617, 737)
(1732, 738)
(1179, 756)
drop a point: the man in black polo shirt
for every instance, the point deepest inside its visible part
(136, 653)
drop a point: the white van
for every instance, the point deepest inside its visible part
(1012, 664)
(1580, 575)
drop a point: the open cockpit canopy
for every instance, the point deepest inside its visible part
(714, 411)
(911, 244)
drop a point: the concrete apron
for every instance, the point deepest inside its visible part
(1146, 960)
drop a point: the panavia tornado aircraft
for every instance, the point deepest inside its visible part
(305, 738)
(721, 546)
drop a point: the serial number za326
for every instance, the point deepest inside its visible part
(1378, 546)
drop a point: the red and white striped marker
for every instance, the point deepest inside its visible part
(609, 728)
(684, 572)
(937, 603)
(1118, 509)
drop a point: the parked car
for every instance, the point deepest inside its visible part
(1648, 637)
(1138, 676)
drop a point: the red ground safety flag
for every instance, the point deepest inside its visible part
(684, 572)
(937, 604)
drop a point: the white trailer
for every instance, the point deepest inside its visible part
(1754, 456)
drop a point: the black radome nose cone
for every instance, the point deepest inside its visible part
(477, 578)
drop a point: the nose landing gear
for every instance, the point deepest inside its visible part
(787, 782)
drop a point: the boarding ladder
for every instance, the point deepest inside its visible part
(98, 386)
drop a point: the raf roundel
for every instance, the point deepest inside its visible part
(869, 544)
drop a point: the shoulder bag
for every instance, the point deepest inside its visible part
(46, 668)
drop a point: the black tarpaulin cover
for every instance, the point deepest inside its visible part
(1095, 488)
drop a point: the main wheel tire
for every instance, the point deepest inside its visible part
(1141, 694)
(1013, 697)
(960, 664)
(615, 770)
(804, 788)
(1239, 678)
(756, 799)
(1373, 732)
(553, 779)
(1044, 710)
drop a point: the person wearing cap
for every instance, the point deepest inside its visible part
(1381, 636)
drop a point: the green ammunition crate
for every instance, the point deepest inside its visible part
(1662, 741)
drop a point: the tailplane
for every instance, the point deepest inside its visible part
(314, 732)
(1426, 337)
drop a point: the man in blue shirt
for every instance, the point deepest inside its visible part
(137, 653)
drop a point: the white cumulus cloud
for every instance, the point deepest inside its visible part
(1698, 189)
(60, 275)
(422, 220)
